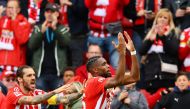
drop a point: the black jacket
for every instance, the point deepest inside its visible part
(175, 100)
(170, 55)
(173, 5)
(78, 18)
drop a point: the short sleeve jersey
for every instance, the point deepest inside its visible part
(15, 94)
(95, 95)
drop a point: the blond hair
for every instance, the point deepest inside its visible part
(163, 11)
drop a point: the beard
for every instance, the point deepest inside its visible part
(106, 75)
(27, 86)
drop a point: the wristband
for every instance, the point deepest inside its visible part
(133, 52)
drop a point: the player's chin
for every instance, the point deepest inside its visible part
(107, 74)
(32, 86)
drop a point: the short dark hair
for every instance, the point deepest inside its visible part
(182, 74)
(90, 62)
(20, 71)
(69, 68)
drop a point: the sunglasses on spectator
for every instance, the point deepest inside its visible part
(10, 79)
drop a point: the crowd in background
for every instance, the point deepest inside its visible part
(57, 37)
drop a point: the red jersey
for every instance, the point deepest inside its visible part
(95, 95)
(15, 94)
(2, 99)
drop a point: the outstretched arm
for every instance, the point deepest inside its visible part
(41, 98)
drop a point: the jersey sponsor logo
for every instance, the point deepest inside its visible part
(101, 79)
(17, 92)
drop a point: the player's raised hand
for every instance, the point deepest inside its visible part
(121, 46)
(129, 44)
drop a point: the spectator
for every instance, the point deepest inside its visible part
(93, 50)
(68, 74)
(14, 34)
(8, 79)
(129, 98)
(160, 44)
(34, 10)
(146, 12)
(180, 11)
(26, 95)
(179, 98)
(184, 50)
(96, 88)
(68, 77)
(77, 15)
(104, 26)
(48, 42)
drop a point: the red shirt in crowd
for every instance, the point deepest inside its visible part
(15, 94)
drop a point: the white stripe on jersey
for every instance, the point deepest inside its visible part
(17, 107)
(98, 104)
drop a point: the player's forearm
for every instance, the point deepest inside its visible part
(135, 70)
(121, 67)
(40, 98)
(35, 99)
(68, 98)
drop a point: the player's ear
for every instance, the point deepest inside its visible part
(19, 79)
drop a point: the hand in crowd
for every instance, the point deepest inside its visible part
(141, 13)
(44, 26)
(149, 15)
(188, 10)
(2, 9)
(152, 35)
(127, 100)
(123, 95)
(65, 2)
(180, 13)
(55, 21)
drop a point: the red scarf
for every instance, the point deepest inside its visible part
(6, 35)
(34, 11)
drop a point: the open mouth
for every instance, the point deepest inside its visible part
(33, 84)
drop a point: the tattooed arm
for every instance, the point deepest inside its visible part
(72, 93)
(40, 98)
(68, 98)
(35, 99)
